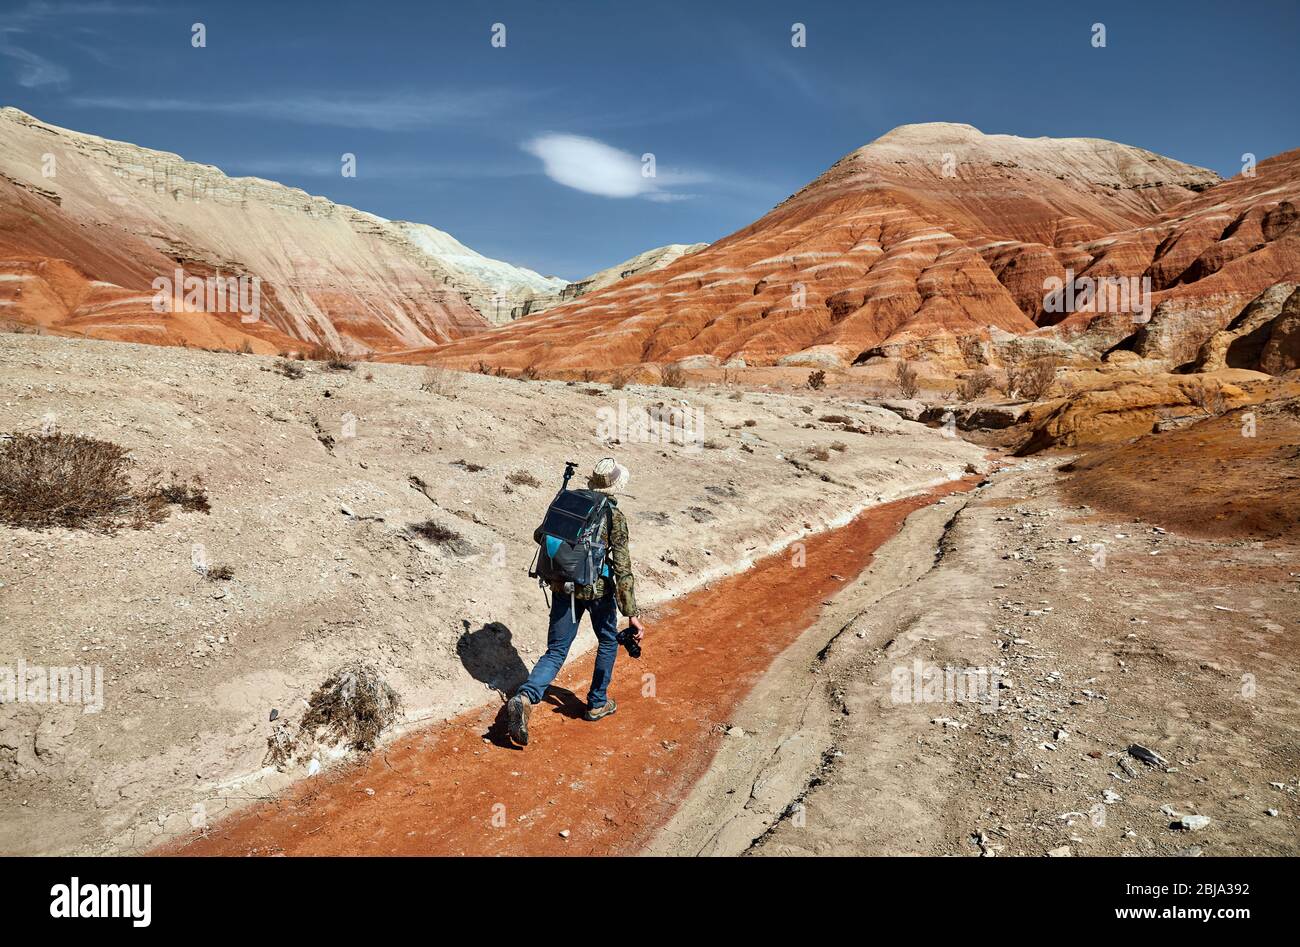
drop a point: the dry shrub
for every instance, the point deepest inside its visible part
(292, 370)
(1031, 378)
(435, 532)
(522, 478)
(839, 446)
(817, 380)
(750, 422)
(439, 381)
(619, 382)
(974, 386)
(222, 573)
(334, 360)
(673, 376)
(972, 350)
(819, 453)
(906, 380)
(75, 482)
(1206, 396)
(468, 466)
(530, 373)
(355, 705)
(187, 494)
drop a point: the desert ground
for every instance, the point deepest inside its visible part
(312, 508)
(1106, 617)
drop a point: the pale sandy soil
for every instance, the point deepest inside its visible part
(325, 569)
(1185, 645)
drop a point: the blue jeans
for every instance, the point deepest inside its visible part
(565, 616)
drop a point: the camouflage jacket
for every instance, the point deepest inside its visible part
(619, 560)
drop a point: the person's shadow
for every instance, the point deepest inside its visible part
(489, 654)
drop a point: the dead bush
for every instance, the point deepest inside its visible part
(972, 350)
(817, 380)
(619, 382)
(354, 706)
(1207, 396)
(839, 446)
(974, 386)
(293, 370)
(435, 532)
(906, 380)
(750, 422)
(530, 373)
(673, 376)
(188, 494)
(222, 573)
(468, 466)
(73, 481)
(1031, 378)
(438, 381)
(819, 453)
(522, 478)
(334, 360)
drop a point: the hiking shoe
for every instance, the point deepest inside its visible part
(517, 710)
(604, 710)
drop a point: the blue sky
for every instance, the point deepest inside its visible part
(531, 152)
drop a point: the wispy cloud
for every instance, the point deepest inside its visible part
(33, 70)
(594, 167)
(401, 112)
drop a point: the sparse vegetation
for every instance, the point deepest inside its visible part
(530, 373)
(221, 573)
(1207, 396)
(439, 381)
(839, 446)
(819, 453)
(974, 385)
(334, 360)
(906, 380)
(523, 478)
(355, 705)
(435, 532)
(619, 382)
(750, 422)
(188, 494)
(468, 466)
(293, 370)
(817, 380)
(972, 350)
(1031, 378)
(77, 482)
(673, 376)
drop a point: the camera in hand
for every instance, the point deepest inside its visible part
(627, 638)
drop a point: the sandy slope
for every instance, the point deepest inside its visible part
(325, 569)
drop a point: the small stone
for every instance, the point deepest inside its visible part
(564, 833)
(1062, 852)
(1193, 823)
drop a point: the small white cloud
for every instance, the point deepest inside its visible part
(594, 167)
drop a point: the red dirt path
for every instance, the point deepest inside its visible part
(460, 788)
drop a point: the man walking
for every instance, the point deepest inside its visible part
(613, 592)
